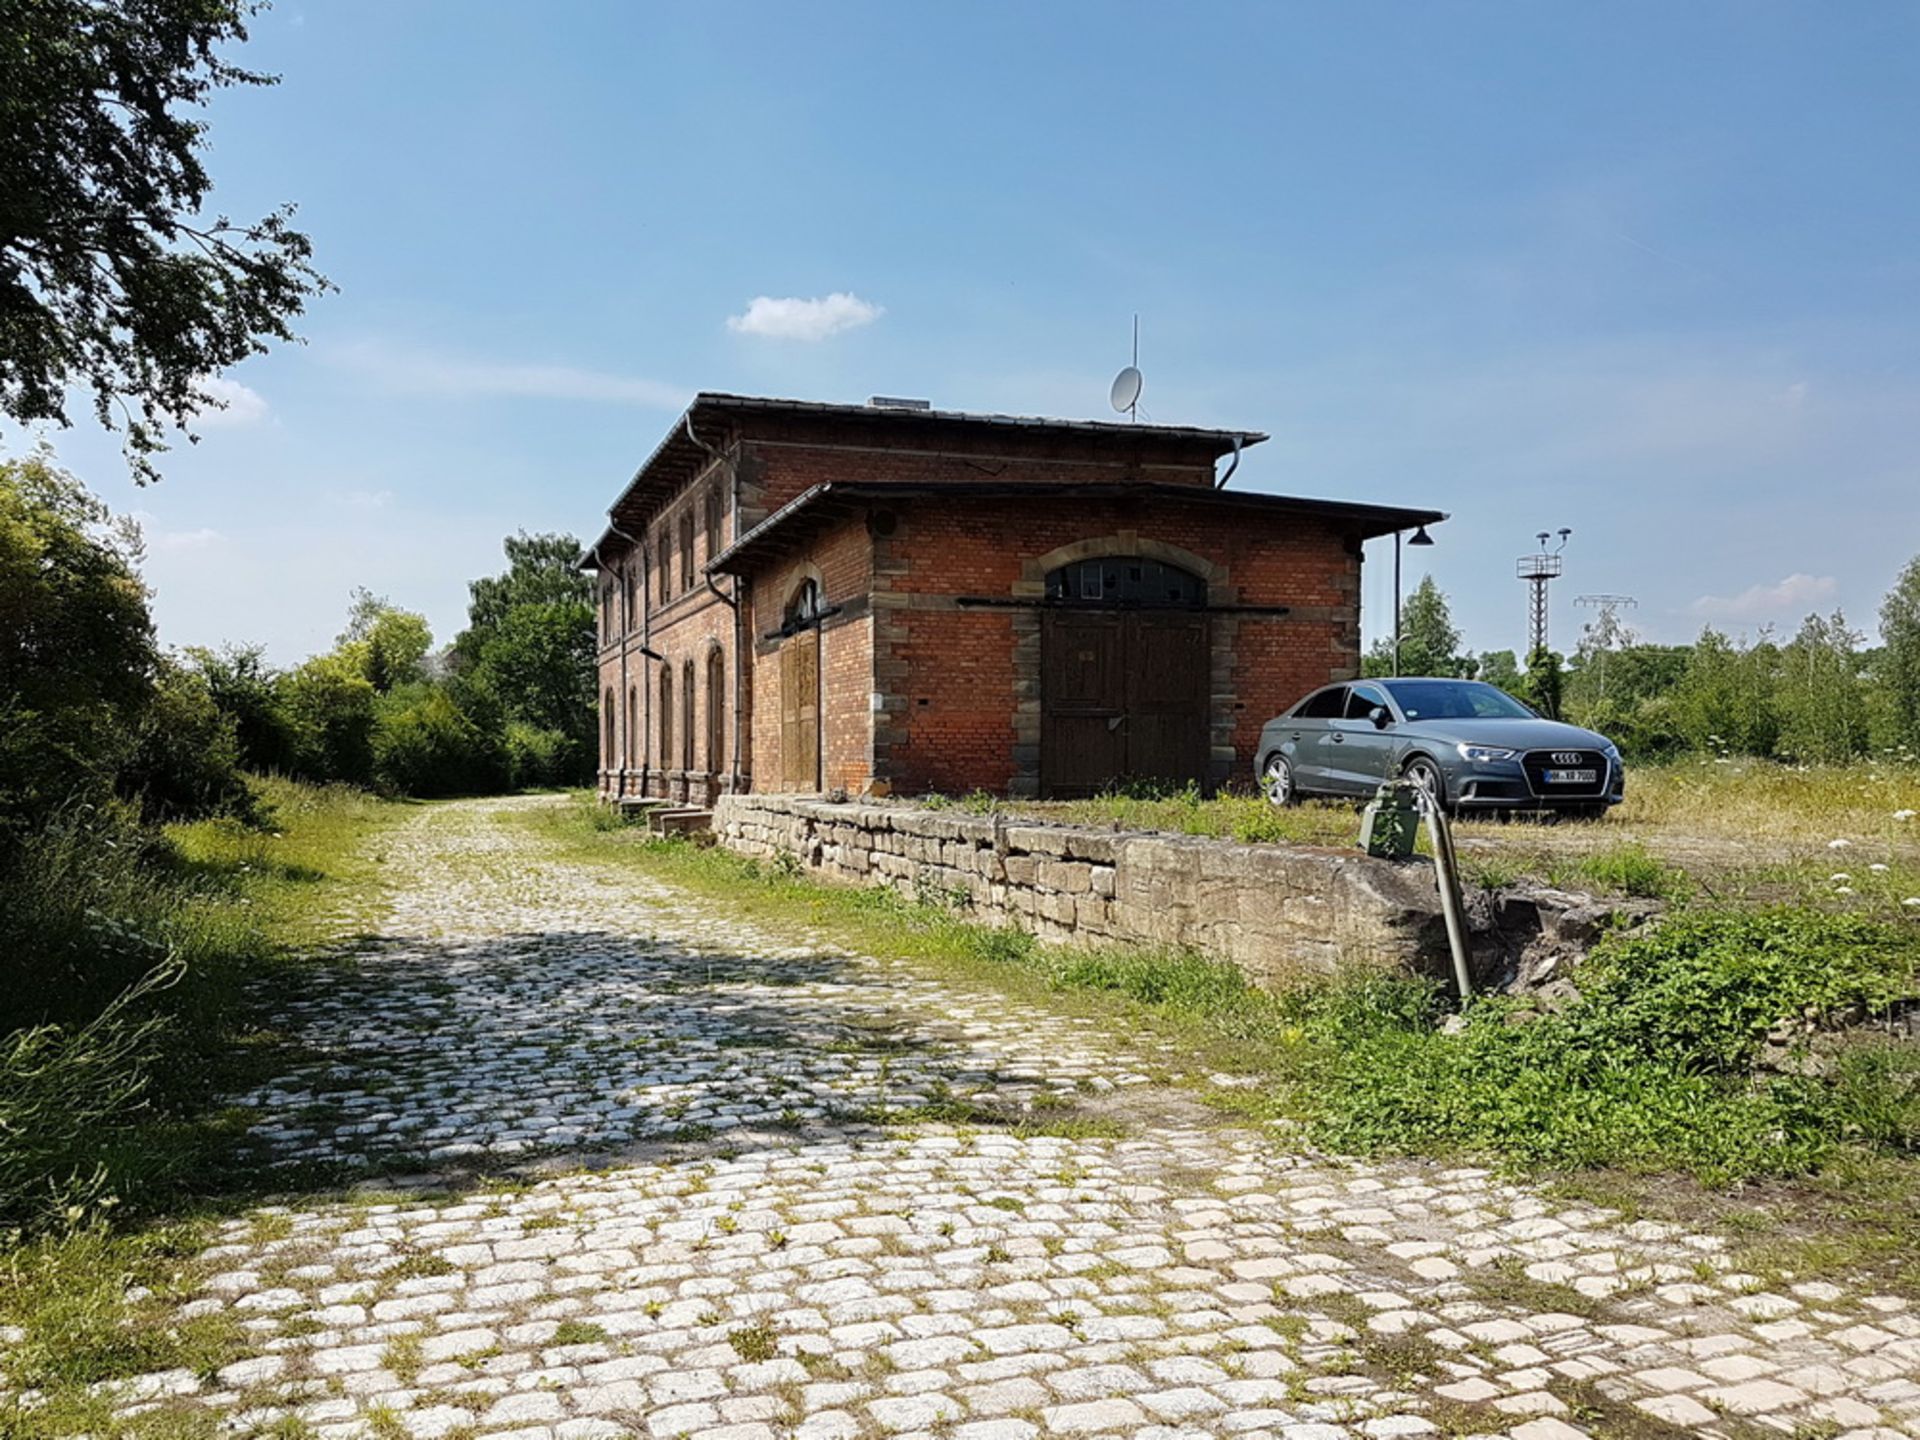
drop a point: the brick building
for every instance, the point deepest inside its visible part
(889, 598)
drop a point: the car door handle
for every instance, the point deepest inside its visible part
(1338, 739)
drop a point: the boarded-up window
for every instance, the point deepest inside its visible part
(716, 710)
(686, 715)
(609, 755)
(686, 550)
(800, 691)
(663, 563)
(715, 509)
(666, 717)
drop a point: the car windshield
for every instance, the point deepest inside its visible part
(1455, 700)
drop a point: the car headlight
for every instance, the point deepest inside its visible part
(1477, 753)
(1611, 751)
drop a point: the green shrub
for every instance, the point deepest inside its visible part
(426, 745)
(1654, 1063)
(186, 760)
(539, 758)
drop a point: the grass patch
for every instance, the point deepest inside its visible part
(578, 1332)
(95, 1306)
(755, 1343)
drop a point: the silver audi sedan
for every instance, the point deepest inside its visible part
(1469, 745)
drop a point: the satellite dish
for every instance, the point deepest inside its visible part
(1126, 389)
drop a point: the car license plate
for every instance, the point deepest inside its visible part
(1572, 777)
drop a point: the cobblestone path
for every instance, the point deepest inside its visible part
(757, 1247)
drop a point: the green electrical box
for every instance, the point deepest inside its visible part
(1390, 824)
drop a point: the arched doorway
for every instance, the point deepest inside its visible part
(800, 759)
(1125, 669)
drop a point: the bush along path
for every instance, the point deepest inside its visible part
(674, 1176)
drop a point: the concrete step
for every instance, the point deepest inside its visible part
(684, 820)
(640, 804)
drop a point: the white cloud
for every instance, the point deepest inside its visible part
(229, 404)
(797, 319)
(1768, 602)
(425, 373)
(160, 542)
(366, 499)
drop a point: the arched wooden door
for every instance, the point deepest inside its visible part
(800, 758)
(1125, 672)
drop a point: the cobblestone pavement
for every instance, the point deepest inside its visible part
(753, 1251)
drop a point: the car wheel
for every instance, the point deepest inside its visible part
(1425, 774)
(1276, 781)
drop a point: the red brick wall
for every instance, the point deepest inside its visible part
(960, 679)
(686, 626)
(958, 713)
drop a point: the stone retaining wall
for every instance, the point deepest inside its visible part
(1272, 909)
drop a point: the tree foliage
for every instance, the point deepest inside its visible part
(529, 642)
(1429, 640)
(113, 280)
(77, 652)
(1899, 661)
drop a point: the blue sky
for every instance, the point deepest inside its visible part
(1650, 271)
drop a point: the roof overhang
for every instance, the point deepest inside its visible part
(689, 447)
(821, 506)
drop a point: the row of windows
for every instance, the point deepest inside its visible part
(661, 556)
(678, 743)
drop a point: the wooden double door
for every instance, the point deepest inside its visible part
(1124, 697)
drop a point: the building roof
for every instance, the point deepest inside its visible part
(685, 451)
(821, 505)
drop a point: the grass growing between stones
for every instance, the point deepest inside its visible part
(1709, 1046)
(94, 1267)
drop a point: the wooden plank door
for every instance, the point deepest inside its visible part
(1169, 673)
(1083, 700)
(800, 711)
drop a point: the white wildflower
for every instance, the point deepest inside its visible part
(1905, 814)
(1843, 889)
(1877, 868)
(1838, 844)
(1841, 878)
(1912, 902)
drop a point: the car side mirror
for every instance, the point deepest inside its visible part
(1381, 719)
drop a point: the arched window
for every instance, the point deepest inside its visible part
(716, 710)
(609, 752)
(636, 586)
(663, 563)
(631, 749)
(686, 549)
(803, 609)
(666, 717)
(1127, 581)
(606, 608)
(686, 715)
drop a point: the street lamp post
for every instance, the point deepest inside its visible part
(1420, 537)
